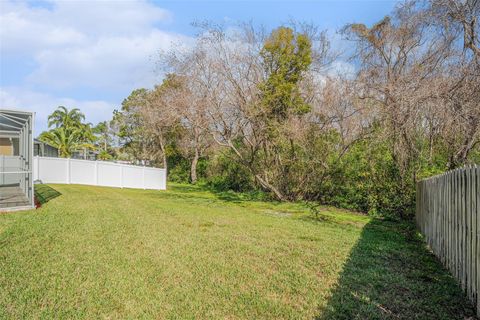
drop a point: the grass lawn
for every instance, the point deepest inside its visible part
(186, 253)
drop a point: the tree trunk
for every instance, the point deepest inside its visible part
(193, 170)
(270, 187)
(164, 161)
(263, 182)
(162, 148)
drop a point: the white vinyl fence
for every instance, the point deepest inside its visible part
(98, 173)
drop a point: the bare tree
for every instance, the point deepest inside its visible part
(460, 21)
(189, 104)
(400, 59)
(459, 16)
(160, 118)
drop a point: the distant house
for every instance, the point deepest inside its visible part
(43, 149)
(10, 147)
(85, 155)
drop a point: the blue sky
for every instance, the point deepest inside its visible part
(91, 54)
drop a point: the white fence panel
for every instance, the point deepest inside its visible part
(133, 177)
(52, 170)
(60, 170)
(109, 174)
(82, 172)
(155, 179)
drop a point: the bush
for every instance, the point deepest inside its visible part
(368, 180)
(225, 174)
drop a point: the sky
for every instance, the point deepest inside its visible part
(92, 54)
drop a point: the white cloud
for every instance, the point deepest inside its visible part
(44, 104)
(101, 44)
(22, 35)
(109, 17)
(79, 47)
(73, 22)
(107, 62)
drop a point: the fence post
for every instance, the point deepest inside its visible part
(2, 168)
(121, 176)
(477, 253)
(68, 170)
(473, 252)
(95, 174)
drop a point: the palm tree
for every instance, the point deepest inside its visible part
(87, 137)
(69, 134)
(66, 141)
(62, 117)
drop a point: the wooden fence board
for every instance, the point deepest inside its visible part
(472, 236)
(448, 214)
(477, 206)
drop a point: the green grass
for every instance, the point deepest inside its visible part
(187, 253)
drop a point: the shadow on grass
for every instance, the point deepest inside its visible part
(390, 274)
(44, 193)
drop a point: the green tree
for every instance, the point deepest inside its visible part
(65, 140)
(286, 56)
(62, 117)
(102, 131)
(69, 134)
(130, 125)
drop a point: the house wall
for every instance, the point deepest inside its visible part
(6, 147)
(45, 150)
(50, 151)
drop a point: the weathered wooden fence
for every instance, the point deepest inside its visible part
(448, 214)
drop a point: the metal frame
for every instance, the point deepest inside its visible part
(19, 124)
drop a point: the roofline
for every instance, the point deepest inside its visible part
(9, 135)
(36, 140)
(17, 111)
